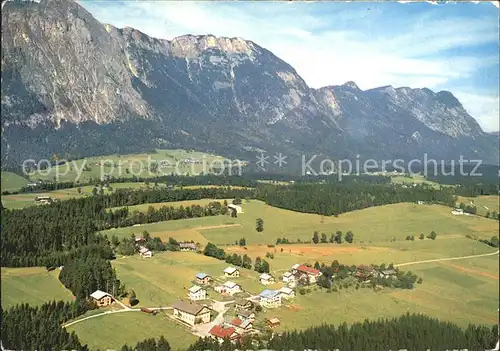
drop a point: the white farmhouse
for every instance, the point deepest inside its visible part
(197, 293)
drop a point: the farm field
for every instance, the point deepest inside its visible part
(27, 199)
(484, 204)
(33, 285)
(12, 181)
(372, 225)
(114, 330)
(137, 164)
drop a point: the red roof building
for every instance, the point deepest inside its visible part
(220, 333)
(308, 270)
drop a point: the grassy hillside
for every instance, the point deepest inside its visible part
(12, 181)
(33, 285)
(114, 330)
(484, 204)
(371, 225)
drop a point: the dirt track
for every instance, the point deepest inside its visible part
(446, 259)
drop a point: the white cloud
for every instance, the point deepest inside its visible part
(372, 48)
(485, 106)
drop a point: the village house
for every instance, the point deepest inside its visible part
(270, 298)
(273, 322)
(388, 273)
(241, 326)
(294, 268)
(246, 315)
(138, 239)
(231, 272)
(365, 272)
(236, 208)
(145, 253)
(44, 200)
(187, 246)
(203, 278)
(102, 298)
(287, 293)
(266, 279)
(305, 273)
(459, 212)
(220, 333)
(191, 313)
(288, 277)
(228, 288)
(242, 304)
(197, 293)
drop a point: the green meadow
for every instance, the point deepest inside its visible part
(33, 285)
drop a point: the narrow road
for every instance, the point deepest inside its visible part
(446, 259)
(128, 309)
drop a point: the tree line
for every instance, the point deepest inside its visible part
(26, 327)
(88, 273)
(336, 198)
(122, 217)
(261, 265)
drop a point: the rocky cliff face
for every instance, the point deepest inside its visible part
(71, 83)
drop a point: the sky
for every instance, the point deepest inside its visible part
(442, 46)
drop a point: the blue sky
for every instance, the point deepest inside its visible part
(452, 46)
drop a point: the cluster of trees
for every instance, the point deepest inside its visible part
(129, 246)
(335, 198)
(241, 242)
(26, 327)
(410, 331)
(432, 235)
(45, 235)
(259, 225)
(468, 208)
(493, 242)
(493, 215)
(340, 272)
(123, 218)
(88, 273)
(261, 266)
(213, 251)
(241, 261)
(334, 237)
(149, 345)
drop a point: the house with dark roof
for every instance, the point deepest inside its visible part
(191, 313)
(242, 304)
(245, 315)
(220, 333)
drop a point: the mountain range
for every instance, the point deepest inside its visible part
(77, 87)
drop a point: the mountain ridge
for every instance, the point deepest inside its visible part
(198, 91)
